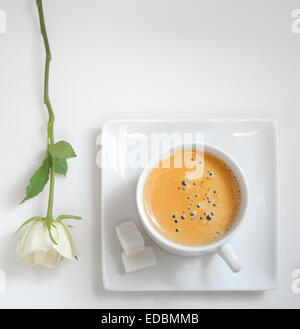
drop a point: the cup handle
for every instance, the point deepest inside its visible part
(228, 255)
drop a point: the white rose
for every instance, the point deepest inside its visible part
(37, 248)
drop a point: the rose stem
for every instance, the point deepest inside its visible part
(50, 135)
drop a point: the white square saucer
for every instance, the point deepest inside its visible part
(253, 144)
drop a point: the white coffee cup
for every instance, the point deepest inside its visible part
(222, 246)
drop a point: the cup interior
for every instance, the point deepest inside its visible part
(171, 245)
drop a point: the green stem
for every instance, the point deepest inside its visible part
(51, 189)
(50, 135)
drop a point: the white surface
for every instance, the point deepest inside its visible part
(138, 59)
(255, 242)
(130, 238)
(2, 282)
(139, 261)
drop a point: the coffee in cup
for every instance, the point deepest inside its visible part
(192, 197)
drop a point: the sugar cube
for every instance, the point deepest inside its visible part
(143, 259)
(130, 238)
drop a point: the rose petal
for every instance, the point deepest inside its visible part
(65, 244)
(30, 258)
(39, 256)
(35, 238)
(51, 258)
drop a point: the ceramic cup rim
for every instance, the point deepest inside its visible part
(181, 248)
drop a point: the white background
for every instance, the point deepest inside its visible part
(139, 59)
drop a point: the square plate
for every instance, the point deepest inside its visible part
(253, 144)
